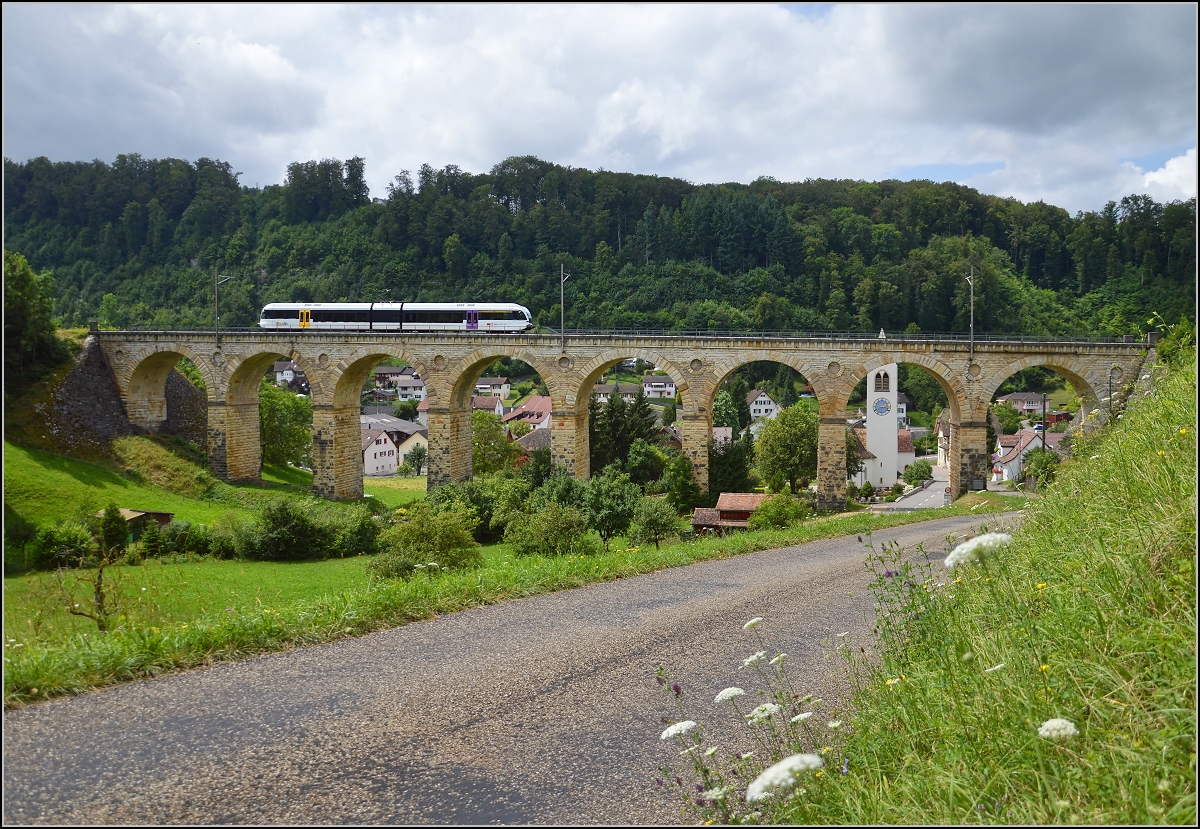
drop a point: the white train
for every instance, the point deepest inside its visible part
(497, 317)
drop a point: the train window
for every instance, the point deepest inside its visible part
(388, 317)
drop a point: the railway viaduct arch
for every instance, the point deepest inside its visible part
(338, 363)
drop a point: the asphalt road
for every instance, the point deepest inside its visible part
(538, 711)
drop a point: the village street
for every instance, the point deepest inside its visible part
(542, 710)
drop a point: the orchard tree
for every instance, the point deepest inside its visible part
(609, 502)
(654, 520)
(787, 446)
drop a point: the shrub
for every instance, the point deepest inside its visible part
(779, 512)
(288, 532)
(867, 492)
(68, 543)
(897, 490)
(851, 489)
(357, 534)
(550, 529)
(230, 536)
(185, 538)
(427, 536)
(562, 488)
(679, 484)
(654, 520)
(918, 471)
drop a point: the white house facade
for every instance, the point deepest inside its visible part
(656, 385)
(380, 455)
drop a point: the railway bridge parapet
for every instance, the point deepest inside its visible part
(338, 363)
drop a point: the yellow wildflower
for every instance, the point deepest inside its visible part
(1041, 585)
(1044, 668)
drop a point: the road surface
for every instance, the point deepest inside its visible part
(537, 711)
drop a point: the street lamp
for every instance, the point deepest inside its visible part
(216, 312)
(563, 276)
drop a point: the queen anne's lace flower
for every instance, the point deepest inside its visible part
(728, 694)
(1057, 729)
(778, 660)
(763, 712)
(678, 729)
(755, 660)
(977, 549)
(781, 775)
(753, 623)
(802, 717)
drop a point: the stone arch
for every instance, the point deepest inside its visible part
(956, 392)
(590, 372)
(1075, 372)
(142, 378)
(724, 368)
(584, 377)
(469, 368)
(350, 372)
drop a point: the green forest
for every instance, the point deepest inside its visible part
(137, 242)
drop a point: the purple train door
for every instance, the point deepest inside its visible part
(472, 320)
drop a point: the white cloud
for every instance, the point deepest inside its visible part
(1174, 180)
(1052, 99)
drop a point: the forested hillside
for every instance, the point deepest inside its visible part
(136, 242)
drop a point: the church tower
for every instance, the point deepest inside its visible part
(882, 426)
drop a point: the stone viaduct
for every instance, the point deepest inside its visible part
(338, 363)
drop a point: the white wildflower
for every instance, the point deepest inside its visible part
(976, 549)
(716, 794)
(710, 751)
(678, 729)
(755, 660)
(753, 623)
(688, 751)
(763, 712)
(1057, 729)
(993, 668)
(842, 635)
(802, 717)
(778, 660)
(781, 775)
(834, 725)
(728, 694)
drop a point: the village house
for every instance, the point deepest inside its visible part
(486, 403)
(535, 411)
(1028, 403)
(534, 440)
(494, 386)
(658, 385)
(604, 391)
(732, 512)
(400, 431)
(380, 456)
(1008, 462)
(289, 375)
(761, 405)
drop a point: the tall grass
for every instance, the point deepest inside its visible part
(1089, 616)
(199, 630)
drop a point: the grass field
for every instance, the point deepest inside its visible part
(181, 618)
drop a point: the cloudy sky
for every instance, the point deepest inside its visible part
(1072, 104)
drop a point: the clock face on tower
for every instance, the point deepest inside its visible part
(881, 406)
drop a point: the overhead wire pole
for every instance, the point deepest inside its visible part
(971, 282)
(216, 310)
(563, 276)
